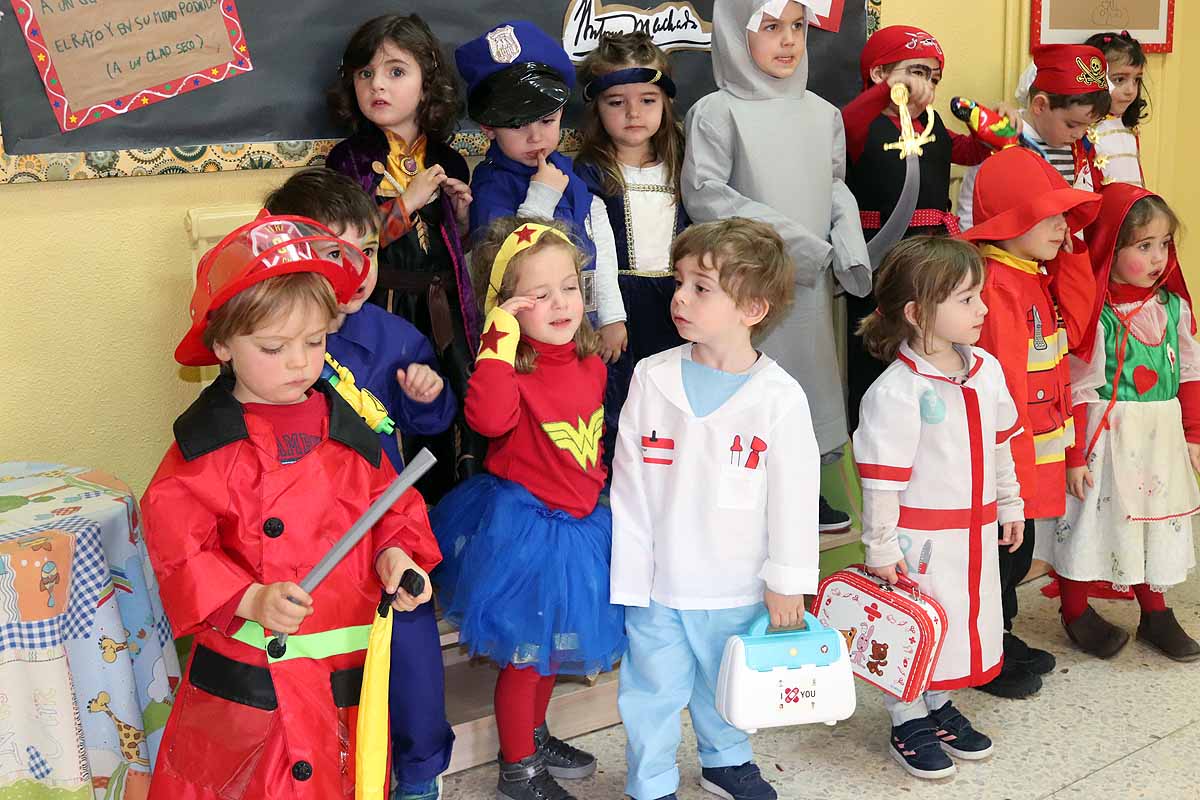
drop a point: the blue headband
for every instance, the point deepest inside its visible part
(632, 75)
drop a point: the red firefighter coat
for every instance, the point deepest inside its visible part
(221, 514)
(1023, 331)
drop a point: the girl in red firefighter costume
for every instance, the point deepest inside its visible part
(933, 449)
(527, 547)
(1136, 394)
(268, 469)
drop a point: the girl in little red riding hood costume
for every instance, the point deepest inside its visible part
(225, 513)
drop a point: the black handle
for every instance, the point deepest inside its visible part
(411, 582)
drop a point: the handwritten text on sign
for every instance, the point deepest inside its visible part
(100, 58)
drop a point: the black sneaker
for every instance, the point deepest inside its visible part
(1014, 682)
(957, 736)
(829, 519)
(916, 747)
(528, 779)
(737, 783)
(561, 759)
(1039, 662)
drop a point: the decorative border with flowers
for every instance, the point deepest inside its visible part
(70, 118)
(46, 167)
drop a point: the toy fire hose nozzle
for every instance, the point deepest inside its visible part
(423, 462)
(987, 125)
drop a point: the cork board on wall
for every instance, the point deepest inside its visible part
(1151, 22)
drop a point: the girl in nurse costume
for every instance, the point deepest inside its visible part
(1136, 394)
(940, 492)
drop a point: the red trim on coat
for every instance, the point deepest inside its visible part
(913, 366)
(975, 532)
(880, 472)
(942, 519)
(967, 681)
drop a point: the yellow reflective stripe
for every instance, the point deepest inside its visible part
(325, 644)
(1051, 459)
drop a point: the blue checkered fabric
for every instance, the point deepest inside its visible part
(37, 764)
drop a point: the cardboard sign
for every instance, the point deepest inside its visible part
(1151, 22)
(103, 58)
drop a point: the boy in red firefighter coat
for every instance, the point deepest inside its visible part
(268, 469)
(1026, 219)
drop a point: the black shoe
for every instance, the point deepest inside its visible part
(1095, 635)
(1160, 629)
(957, 736)
(917, 748)
(528, 779)
(744, 782)
(829, 519)
(1039, 662)
(562, 760)
(1014, 682)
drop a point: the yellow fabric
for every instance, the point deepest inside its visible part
(398, 150)
(501, 332)
(1008, 259)
(366, 404)
(518, 241)
(371, 753)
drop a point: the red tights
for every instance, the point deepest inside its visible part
(1075, 598)
(522, 696)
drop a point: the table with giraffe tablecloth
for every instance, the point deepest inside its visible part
(87, 662)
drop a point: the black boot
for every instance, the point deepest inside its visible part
(1014, 682)
(1160, 629)
(528, 779)
(562, 760)
(1039, 662)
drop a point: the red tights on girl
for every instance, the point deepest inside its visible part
(1075, 598)
(522, 696)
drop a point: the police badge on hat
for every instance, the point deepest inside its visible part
(504, 44)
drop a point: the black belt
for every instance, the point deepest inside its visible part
(249, 685)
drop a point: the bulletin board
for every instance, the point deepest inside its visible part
(1151, 22)
(275, 116)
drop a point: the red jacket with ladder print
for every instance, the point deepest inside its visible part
(1023, 331)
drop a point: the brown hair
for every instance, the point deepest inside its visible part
(483, 255)
(1121, 49)
(1141, 214)
(329, 197)
(441, 102)
(924, 270)
(751, 262)
(621, 51)
(1098, 102)
(261, 303)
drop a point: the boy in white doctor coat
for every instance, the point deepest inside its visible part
(714, 501)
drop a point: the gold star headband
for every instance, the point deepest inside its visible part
(517, 242)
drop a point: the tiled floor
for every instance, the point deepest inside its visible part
(1128, 728)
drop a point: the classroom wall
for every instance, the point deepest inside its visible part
(95, 274)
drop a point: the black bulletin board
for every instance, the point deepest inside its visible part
(296, 46)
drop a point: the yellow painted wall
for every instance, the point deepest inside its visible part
(94, 274)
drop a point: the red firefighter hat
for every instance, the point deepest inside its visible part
(1016, 189)
(1070, 69)
(1116, 201)
(265, 248)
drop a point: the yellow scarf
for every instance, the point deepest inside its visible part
(403, 162)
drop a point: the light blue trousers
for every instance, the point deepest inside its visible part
(672, 663)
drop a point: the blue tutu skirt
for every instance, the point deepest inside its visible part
(526, 585)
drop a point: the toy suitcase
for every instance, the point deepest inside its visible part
(893, 633)
(787, 678)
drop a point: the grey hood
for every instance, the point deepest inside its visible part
(733, 68)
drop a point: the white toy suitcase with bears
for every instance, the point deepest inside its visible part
(769, 680)
(893, 633)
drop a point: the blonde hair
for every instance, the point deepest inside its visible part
(751, 262)
(924, 270)
(267, 300)
(622, 51)
(483, 255)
